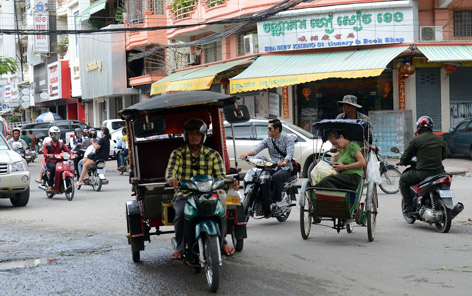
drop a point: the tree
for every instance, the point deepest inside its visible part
(7, 65)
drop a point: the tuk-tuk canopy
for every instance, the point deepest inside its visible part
(173, 100)
(353, 130)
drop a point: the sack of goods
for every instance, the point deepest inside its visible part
(322, 170)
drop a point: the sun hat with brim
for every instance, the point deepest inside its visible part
(351, 100)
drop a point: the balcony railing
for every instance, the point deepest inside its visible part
(214, 3)
(182, 8)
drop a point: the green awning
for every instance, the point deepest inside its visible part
(93, 8)
(460, 53)
(199, 79)
(283, 70)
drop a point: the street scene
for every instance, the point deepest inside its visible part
(270, 147)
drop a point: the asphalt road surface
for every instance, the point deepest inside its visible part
(78, 247)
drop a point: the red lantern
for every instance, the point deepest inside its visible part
(406, 70)
(306, 93)
(450, 69)
(224, 81)
(387, 88)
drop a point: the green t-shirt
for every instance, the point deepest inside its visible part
(26, 139)
(346, 157)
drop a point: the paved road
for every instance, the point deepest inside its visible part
(89, 254)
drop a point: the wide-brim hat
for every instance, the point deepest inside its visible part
(351, 100)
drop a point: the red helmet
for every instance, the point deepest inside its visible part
(85, 132)
(424, 123)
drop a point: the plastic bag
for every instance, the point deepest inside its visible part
(90, 149)
(233, 197)
(373, 169)
(322, 170)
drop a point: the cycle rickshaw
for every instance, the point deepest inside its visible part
(342, 207)
(155, 128)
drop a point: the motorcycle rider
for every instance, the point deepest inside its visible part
(282, 173)
(77, 139)
(102, 151)
(87, 142)
(25, 138)
(16, 138)
(186, 162)
(34, 140)
(57, 148)
(430, 151)
(123, 145)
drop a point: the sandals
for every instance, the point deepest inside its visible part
(39, 181)
(228, 250)
(176, 255)
(79, 184)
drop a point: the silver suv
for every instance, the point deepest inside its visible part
(251, 133)
(14, 176)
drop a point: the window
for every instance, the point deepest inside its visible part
(157, 7)
(462, 127)
(241, 132)
(63, 125)
(248, 42)
(463, 23)
(117, 124)
(212, 52)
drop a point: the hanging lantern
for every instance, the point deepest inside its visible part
(450, 69)
(387, 88)
(224, 82)
(406, 70)
(306, 93)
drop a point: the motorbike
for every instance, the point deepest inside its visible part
(389, 173)
(432, 200)
(18, 148)
(125, 166)
(96, 174)
(64, 176)
(34, 153)
(257, 188)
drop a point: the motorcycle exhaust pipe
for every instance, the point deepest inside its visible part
(42, 187)
(457, 209)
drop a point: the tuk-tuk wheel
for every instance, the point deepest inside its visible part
(136, 255)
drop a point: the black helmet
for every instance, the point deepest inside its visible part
(424, 123)
(195, 124)
(78, 132)
(92, 133)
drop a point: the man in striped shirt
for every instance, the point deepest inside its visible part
(278, 145)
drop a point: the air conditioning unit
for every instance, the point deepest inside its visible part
(250, 43)
(431, 33)
(191, 58)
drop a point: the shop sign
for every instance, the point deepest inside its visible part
(401, 93)
(40, 22)
(6, 93)
(94, 65)
(59, 83)
(337, 29)
(285, 103)
(53, 81)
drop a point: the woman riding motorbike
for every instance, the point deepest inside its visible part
(102, 151)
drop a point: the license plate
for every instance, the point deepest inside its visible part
(101, 171)
(446, 193)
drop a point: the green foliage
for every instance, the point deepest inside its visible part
(8, 65)
(61, 46)
(119, 13)
(215, 3)
(182, 6)
(13, 118)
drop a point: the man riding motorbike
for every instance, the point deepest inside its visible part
(184, 163)
(276, 143)
(16, 138)
(57, 148)
(430, 151)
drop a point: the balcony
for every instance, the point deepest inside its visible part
(61, 9)
(143, 38)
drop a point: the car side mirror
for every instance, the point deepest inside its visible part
(294, 137)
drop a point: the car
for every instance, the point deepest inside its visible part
(115, 138)
(41, 129)
(459, 139)
(252, 132)
(14, 175)
(113, 124)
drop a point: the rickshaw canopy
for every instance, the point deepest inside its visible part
(353, 130)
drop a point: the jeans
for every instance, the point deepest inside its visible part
(80, 167)
(121, 158)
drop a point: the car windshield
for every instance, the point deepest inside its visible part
(117, 124)
(300, 130)
(3, 144)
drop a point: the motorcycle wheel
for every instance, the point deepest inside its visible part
(237, 243)
(305, 216)
(372, 203)
(407, 219)
(70, 183)
(247, 202)
(49, 194)
(444, 225)
(212, 264)
(285, 208)
(97, 184)
(390, 181)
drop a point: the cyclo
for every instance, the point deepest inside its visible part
(154, 130)
(342, 207)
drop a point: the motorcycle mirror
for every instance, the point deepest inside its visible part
(395, 150)
(236, 113)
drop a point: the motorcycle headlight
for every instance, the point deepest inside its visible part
(66, 156)
(18, 166)
(218, 184)
(203, 186)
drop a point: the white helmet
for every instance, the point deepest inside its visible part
(55, 133)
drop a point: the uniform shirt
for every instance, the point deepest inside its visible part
(183, 165)
(284, 143)
(430, 151)
(347, 156)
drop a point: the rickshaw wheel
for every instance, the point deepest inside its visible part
(372, 202)
(212, 265)
(305, 216)
(237, 243)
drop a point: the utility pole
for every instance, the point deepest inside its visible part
(19, 40)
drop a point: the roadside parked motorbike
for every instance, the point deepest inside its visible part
(64, 176)
(257, 188)
(206, 211)
(389, 173)
(432, 200)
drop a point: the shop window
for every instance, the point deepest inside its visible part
(212, 52)
(463, 23)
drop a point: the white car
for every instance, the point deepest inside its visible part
(113, 124)
(14, 176)
(252, 132)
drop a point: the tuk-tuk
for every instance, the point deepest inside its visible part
(155, 129)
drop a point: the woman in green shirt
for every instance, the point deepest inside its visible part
(350, 166)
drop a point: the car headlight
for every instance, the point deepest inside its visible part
(18, 166)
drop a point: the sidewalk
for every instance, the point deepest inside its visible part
(454, 166)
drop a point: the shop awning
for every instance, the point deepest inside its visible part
(284, 70)
(161, 86)
(199, 79)
(460, 53)
(93, 8)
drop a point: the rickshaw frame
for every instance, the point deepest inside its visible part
(342, 207)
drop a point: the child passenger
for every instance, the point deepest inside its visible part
(349, 167)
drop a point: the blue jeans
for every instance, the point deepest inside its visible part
(80, 165)
(121, 157)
